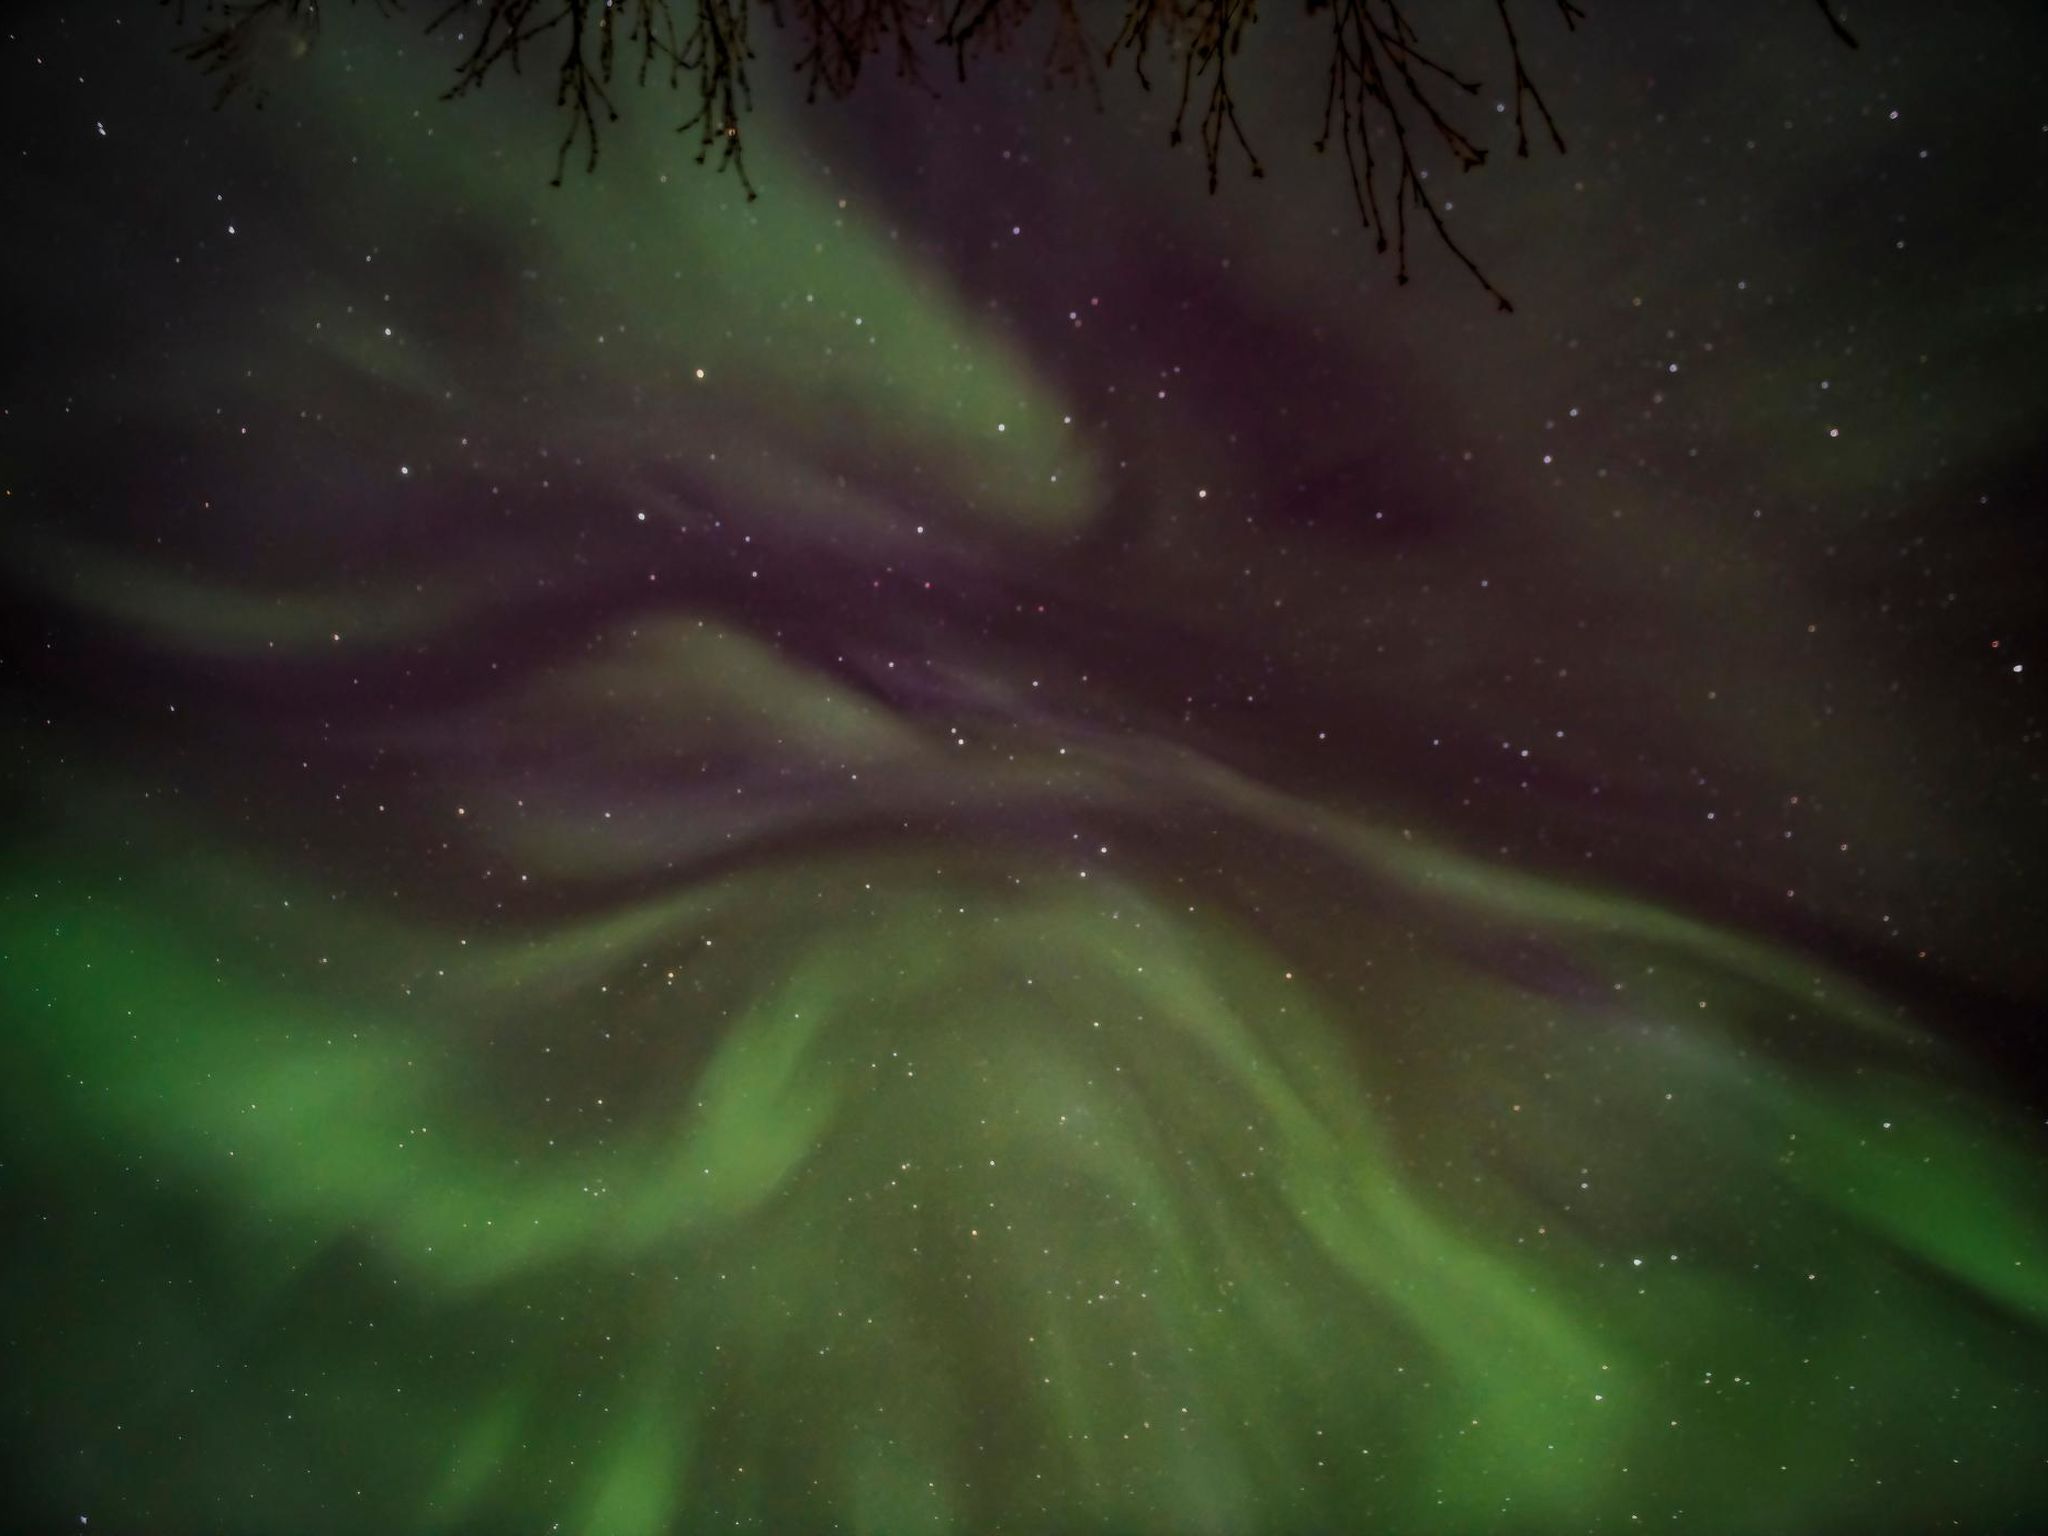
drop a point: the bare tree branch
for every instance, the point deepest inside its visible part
(239, 40)
(1387, 97)
(1847, 37)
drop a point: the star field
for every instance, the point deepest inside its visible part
(991, 845)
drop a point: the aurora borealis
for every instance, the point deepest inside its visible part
(990, 845)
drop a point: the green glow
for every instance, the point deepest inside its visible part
(878, 1211)
(675, 874)
(643, 276)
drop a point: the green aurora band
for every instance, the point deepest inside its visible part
(746, 1082)
(955, 1199)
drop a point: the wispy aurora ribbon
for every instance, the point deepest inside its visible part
(958, 1193)
(665, 878)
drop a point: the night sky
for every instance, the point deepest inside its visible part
(994, 845)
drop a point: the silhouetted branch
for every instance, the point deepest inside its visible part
(1848, 38)
(238, 39)
(1525, 88)
(982, 25)
(1209, 32)
(1386, 99)
(1379, 80)
(715, 55)
(843, 33)
(1071, 56)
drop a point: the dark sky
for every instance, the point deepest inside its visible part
(991, 844)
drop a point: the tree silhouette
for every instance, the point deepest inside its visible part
(1388, 102)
